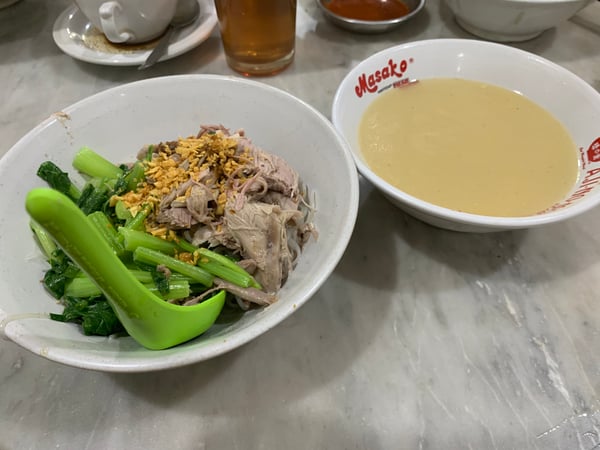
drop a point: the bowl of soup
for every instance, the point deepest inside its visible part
(473, 136)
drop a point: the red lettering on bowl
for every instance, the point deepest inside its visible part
(593, 153)
(370, 82)
(590, 181)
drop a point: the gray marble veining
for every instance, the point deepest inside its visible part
(421, 339)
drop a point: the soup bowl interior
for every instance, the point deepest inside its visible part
(567, 97)
(117, 123)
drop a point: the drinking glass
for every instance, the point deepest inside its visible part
(258, 35)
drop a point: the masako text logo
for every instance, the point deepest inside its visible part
(370, 82)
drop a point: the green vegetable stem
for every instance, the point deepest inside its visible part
(106, 228)
(137, 222)
(152, 257)
(84, 287)
(138, 255)
(89, 162)
(133, 239)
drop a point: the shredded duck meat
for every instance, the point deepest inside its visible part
(217, 189)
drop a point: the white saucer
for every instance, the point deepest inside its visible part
(75, 36)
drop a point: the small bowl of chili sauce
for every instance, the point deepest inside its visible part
(370, 16)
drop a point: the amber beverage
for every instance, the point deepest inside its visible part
(258, 35)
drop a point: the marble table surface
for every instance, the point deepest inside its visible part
(421, 339)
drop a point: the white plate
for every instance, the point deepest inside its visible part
(75, 36)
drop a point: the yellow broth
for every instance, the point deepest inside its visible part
(469, 146)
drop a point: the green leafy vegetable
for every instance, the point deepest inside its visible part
(143, 253)
(62, 270)
(160, 280)
(130, 178)
(57, 179)
(94, 197)
(95, 316)
(134, 176)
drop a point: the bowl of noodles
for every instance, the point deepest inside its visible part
(221, 172)
(463, 135)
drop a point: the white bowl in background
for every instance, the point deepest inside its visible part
(512, 20)
(117, 123)
(570, 99)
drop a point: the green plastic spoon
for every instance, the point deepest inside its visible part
(151, 321)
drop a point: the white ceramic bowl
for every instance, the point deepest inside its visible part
(570, 99)
(116, 123)
(512, 20)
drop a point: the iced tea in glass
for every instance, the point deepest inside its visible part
(258, 35)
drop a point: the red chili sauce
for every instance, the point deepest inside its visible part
(373, 10)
